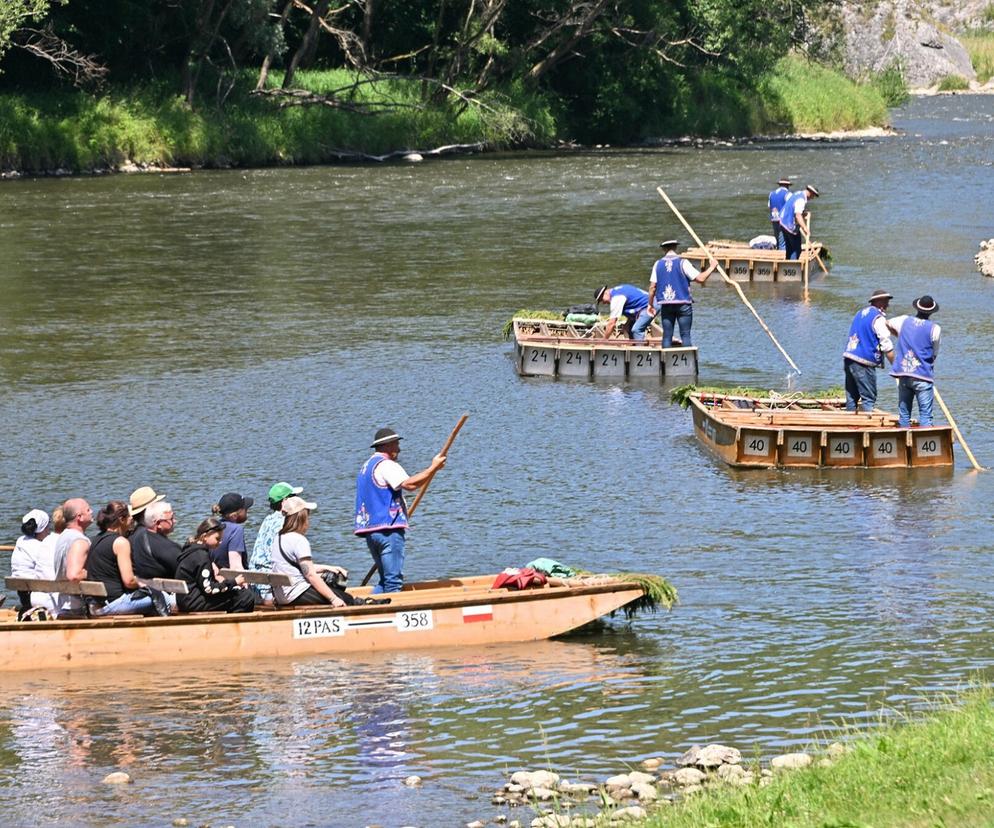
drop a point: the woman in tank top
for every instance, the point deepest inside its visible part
(109, 561)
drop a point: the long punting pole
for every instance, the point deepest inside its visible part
(728, 281)
(956, 431)
(424, 486)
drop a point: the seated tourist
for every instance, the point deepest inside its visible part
(230, 553)
(34, 558)
(208, 593)
(71, 551)
(109, 561)
(153, 554)
(310, 583)
(261, 559)
(141, 498)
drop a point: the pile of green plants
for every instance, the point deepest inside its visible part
(552, 316)
(681, 394)
(656, 592)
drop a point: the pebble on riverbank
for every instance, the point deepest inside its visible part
(985, 258)
(117, 778)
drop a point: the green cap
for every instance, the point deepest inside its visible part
(281, 491)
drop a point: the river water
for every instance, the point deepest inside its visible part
(224, 330)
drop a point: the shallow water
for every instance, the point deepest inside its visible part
(224, 330)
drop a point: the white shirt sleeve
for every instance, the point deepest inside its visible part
(617, 305)
(391, 473)
(883, 333)
(690, 271)
(936, 333)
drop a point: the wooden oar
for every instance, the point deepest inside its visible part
(424, 486)
(732, 282)
(817, 256)
(956, 431)
(6, 548)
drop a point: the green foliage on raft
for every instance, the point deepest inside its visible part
(656, 592)
(681, 395)
(552, 316)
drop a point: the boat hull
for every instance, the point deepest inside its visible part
(819, 437)
(745, 264)
(440, 614)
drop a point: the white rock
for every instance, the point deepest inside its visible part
(652, 764)
(836, 750)
(575, 788)
(544, 779)
(551, 821)
(791, 761)
(644, 791)
(412, 781)
(513, 787)
(521, 778)
(689, 776)
(475, 824)
(117, 778)
(710, 756)
(543, 794)
(645, 778)
(728, 772)
(633, 812)
(514, 823)
(414, 157)
(622, 780)
(692, 789)
(620, 794)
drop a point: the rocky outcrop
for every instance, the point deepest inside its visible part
(906, 32)
(985, 258)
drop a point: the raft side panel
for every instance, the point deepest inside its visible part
(609, 363)
(790, 271)
(843, 448)
(740, 270)
(762, 271)
(887, 448)
(757, 447)
(538, 360)
(932, 446)
(800, 448)
(574, 362)
(679, 362)
(645, 363)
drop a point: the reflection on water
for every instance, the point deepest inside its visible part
(224, 330)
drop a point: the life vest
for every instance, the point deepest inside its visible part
(863, 345)
(376, 507)
(672, 286)
(914, 355)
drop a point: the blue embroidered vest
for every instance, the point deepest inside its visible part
(376, 507)
(914, 355)
(636, 299)
(863, 345)
(672, 287)
(777, 199)
(788, 221)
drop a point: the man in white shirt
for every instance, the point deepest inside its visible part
(380, 510)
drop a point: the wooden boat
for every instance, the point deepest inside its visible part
(547, 348)
(746, 264)
(748, 432)
(454, 612)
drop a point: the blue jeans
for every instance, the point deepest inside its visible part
(778, 235)
(910, 389)
(861, 384)
(642, 323)
(682, 315)
(387, 549)
(146, 601)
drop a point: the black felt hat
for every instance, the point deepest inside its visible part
(926, 304)
(385, 435)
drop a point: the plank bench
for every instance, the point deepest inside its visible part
(173, 585)
(250, 576)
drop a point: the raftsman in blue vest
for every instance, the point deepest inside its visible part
(672, 285)
(788, 219)
(777, 199)
(863, 345)
(376, 507)
(914, 355)
(636, 299)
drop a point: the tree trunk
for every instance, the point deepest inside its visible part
(307, 44)
(367, 31)
(268, 60)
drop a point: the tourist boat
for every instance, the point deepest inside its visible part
(753, 432)
(442, 613)
(747, 264)
(547, 348)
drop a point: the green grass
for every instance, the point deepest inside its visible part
(814, 98)
(980, 45)
(935, 771)
(953, 83)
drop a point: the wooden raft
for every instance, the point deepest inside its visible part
(545, 348)
(745, 264)
(760, 433)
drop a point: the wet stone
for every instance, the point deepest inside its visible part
(652, 764)
(689, 776)
(644, 778)
(628, 814)
(117, 778)
(710, 756)
(622, 780)
(791, 761)
(181, 822)
(412, 781)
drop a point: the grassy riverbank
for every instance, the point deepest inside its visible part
(980, 46)
(934, 771)
(48, 130)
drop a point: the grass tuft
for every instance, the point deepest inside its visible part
(980, 46)
(953, 83)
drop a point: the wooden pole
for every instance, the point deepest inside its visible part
(424, 486)
(956, 431)
(6, 548)
(732, 282)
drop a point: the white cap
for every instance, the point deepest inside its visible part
(292, 505)
(40, 518)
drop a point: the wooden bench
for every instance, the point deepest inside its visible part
(92, 589)
(173, 585)
(250, 576)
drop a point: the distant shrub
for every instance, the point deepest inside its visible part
(891, 85)
(979, 43)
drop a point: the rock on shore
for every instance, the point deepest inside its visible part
(985, 258)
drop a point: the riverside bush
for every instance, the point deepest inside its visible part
(953, 83)
(980, 46)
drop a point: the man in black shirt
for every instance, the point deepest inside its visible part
(153, 555)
